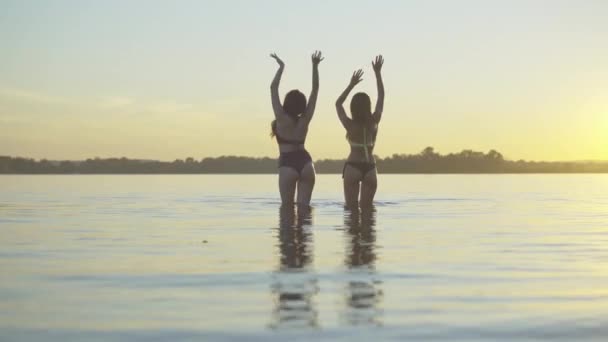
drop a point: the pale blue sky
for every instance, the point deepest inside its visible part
(163, 79)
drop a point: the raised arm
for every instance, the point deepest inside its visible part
(274, 87)
(316, 58)
(377, 65)
(354, 80)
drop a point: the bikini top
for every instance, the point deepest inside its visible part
(366, 145)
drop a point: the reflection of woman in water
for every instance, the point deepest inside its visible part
(295, 238)
(361, 130)
(290, 127)
(362, 293)
(360, 226)
(294, 285)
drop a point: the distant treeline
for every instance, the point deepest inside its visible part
(427, 161)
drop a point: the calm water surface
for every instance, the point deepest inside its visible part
(213, 257)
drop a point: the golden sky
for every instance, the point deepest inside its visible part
(166, 80)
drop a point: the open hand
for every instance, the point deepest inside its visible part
(356, 78)
(274, 55)
(317, 58)
(377, 63)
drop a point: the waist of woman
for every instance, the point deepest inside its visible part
(361, 155)
(286, 148)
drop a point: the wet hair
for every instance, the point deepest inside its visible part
(294, 105)
(361, 108)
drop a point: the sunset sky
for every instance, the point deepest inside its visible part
(173, 79)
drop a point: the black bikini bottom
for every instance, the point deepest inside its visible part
(296, 159)
(364, 167)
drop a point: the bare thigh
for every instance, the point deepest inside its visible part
(288, 177)
(368, 188)
(306, 183)
(352, 176)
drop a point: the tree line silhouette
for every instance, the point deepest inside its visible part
(427, 161)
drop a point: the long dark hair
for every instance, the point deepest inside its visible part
(361, 108)
(361, 111)
(293, 105)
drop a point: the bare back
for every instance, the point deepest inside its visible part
(362, 140)
(293, 130)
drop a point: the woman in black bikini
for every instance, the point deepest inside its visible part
(360, 168)
(290, 127)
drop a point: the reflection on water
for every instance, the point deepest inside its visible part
(363, 293)
(294, 286)
(184, 257)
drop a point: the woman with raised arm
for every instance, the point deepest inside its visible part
(359, 171)
(290, 127)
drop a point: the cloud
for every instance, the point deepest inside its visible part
(139, 106)
(31, 96)
(116, 102)
(168, 107)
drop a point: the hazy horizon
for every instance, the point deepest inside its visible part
(198, 158)
(169, 80)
